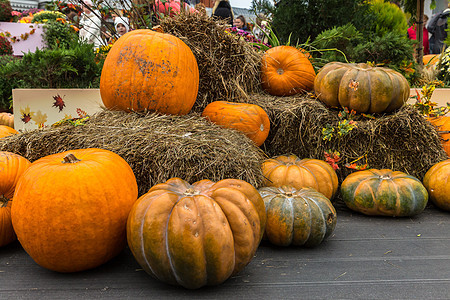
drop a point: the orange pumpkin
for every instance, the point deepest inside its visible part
(149, 70)
(70, 209)
(430, 59)
(442, 125)
(250, 119)
(7, 119)
(11, 168)
(199, 234)
(7, 131)
(286, 71)
(437, 183)
(300, 173)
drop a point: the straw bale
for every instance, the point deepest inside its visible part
(157, 147)
(228, 66)
(403, 141)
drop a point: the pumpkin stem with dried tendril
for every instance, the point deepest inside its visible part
(70, 158)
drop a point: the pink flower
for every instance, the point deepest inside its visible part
(15, 13)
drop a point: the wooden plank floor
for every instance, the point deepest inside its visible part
(365, 258)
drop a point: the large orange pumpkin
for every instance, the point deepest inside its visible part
(7, 119)
(361, 87)
(442, 125)
(286, 71)
(149, 70)
(300, 173)
(196, 235)
(70, 209)
(437, 182)
(250, 119)
(11, 168)
(7, 131)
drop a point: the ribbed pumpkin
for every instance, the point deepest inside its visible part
(442, 125)
(437, 183)
(7, 131)
(70, 209)
(7, 119)
(301, 217)
(361, 87)
(299, 173)
(11, 168)
(250, 119)
(149, 70)
(286, 71)
(384, 193)
(196, 235)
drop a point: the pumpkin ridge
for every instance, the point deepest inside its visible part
(147, 263)
(321, 216)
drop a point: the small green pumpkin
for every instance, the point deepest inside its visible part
(384, 193)
(301, 217)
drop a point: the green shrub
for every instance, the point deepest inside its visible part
(7, 83)
(5, 11)
(391, 49)
(74, 67)
(307, 19)
(59, 34)
(343, 38)
(388, 18)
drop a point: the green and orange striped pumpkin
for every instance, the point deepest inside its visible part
(301, 217)
(384, 193)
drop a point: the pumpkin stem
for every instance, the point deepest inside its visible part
(70, 158)
(3, 201)
(191, 192)
(385, 177)
(280, 71)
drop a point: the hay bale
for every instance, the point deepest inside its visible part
(402, 141)
(157, 147)
(229, 67)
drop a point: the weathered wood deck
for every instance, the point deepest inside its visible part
(365, 258)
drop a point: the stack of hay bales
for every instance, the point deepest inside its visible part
(160, 147)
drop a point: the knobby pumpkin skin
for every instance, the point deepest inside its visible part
(12, 167)
(301, 217)
(149, 70)
(196, 235)
(384, 193)
(286, 71)
(361, 87)
(250, 119)
(70, 209)
(299, 173)
(7, 131)
(437, 183)
(7, 119)
(442, 124)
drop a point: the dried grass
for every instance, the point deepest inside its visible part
(403, 141)
(157, 147)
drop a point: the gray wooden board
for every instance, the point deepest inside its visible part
(365, 258)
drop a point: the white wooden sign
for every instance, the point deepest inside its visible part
(39, 108)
